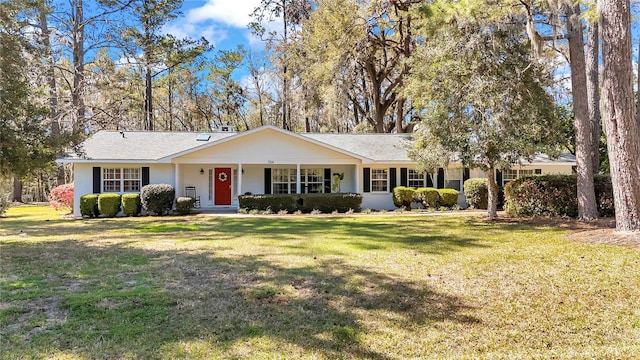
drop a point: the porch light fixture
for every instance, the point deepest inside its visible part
(201, 171)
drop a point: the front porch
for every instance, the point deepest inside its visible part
(218, 185)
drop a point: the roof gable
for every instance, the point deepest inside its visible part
(268, 145)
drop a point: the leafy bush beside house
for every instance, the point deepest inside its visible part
(109, 204)
(477, 193)
(448, 197)
(428, 196)
(306, 203)
(403, 196)
(89, 205)
(554, 195)
(131, 204)
(157, 198)
(184, 205)
(61, 197)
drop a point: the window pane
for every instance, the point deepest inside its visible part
(379, 179)
(526, 173)
(415, 179)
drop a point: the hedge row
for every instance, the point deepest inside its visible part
(155, 199)
(429, 197)
(554, 195)
(306, 203)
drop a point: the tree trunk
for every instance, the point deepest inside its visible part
(53, 89)
(620, 125)
(492, 187)
(17, 189)
(148, 100)
(593, 93)
(587, 208)
(77, 94)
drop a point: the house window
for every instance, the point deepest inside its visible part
(121, 179)
(379, 180)
(454, 179)
(312, 180)
(512, 174)
(415, 179)
(283, 181)
(509, 175)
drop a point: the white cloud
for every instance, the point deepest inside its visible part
(234, 13)
(182, 29)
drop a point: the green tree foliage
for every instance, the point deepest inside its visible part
(24, 143)
(482, 95)
(361, 49)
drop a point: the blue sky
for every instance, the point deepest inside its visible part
(222, 22)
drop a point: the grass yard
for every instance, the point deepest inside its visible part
(375, 287)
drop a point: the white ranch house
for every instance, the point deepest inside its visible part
(267, 160)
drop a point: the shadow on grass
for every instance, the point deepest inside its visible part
(115, 301)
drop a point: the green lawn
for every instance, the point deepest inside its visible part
(376, 287)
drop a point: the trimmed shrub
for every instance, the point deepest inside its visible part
(554, 195)
(477, 193)
(327, 203)
(306, 203)
(157, 198)
(448, 197)
(263, 202)
(428, 196)
(131, 205)
(89, 205)
(542, 195)
(61, 197)
(403, 196)
(109, 204)
(184, 204)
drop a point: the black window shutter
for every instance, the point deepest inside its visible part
(429, 180)
(440, 178)
(267, 180)
(499, 177)
(367, 179)
(393, 178)
(96, 179)
(145, 175)
(538, 171)
(465, 175)
(403, 176)
(327, 180)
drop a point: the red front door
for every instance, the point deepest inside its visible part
(222, 186)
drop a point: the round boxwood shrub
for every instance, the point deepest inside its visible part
(89, 205)
(184, 204)
(157, 198)
(448, 197)
(131, 205)
(403, 196)
(477, 193)
(109, 204)
(428, 196)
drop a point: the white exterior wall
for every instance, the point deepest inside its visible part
(83, 178)
(82, 184)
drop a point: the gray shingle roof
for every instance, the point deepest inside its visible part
(152, 146)
(139, 145)
(378, 147)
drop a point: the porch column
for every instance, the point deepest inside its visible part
(358, 186)
(176, 180)
(297, 178)
(239, 190)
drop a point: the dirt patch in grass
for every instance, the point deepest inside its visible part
(600, 231)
